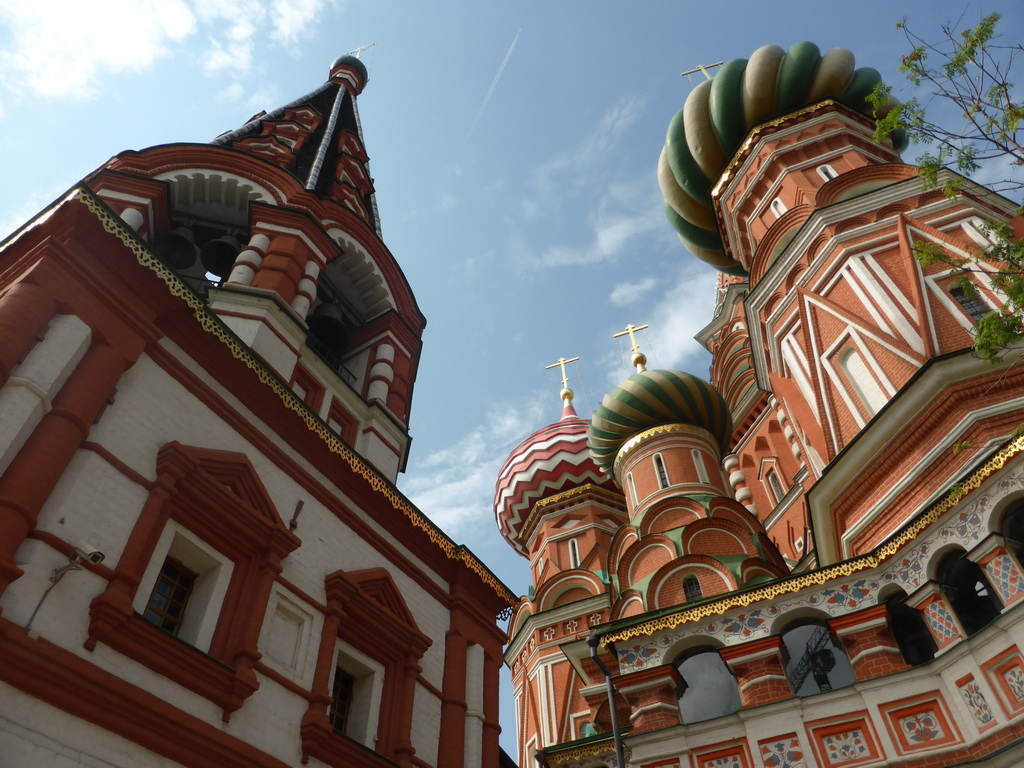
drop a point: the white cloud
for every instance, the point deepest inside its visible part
(291, 18)
(59, 48)
(233, 92)
(625, 294)
(63, 48)
(621, 217)
(454, 486)
(679, 315)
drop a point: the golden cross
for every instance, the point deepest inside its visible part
(638, 359)
(631, 329)
(561, 364)
(702, 68)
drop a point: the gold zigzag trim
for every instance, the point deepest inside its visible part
(824, 575)
(605, 746)
(211, 324)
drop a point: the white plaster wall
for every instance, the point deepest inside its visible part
(426, 724)
(36, 735)
(97, 503)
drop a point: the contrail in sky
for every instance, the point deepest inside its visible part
(494, 82)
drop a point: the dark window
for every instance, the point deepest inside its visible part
(968, 592)
(773, 481)
(911, 633)
(691, 589)
(342, 694)
(709, 689)
(973, 305)
(659, 465)
(827, 172)
(166, 606)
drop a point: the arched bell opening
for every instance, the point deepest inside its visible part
(708, 688)
(331, 323)
(968, 592)
(201, 252)
(916, 644)
(817, 662)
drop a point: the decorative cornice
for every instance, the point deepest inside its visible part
(210, 323)
(653, 432)
(825, 575)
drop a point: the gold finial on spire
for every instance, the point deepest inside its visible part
(638, 359)
(566, 394)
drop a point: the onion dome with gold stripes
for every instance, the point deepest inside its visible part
(650, 399)
(718, 113)
(551, 460)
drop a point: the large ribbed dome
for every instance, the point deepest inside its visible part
(649, 399)
(551, 460)
(719, 112)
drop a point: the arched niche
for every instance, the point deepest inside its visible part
(817, 662)
(708, 689)
(916, 644)
(967, 591)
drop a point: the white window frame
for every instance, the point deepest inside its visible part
(366, 693)
(574, 553)
(213, 574)
(778, 207)
(826, 172)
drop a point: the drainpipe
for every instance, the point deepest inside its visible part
(613, 713)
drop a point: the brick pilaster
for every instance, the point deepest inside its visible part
(760, 669)
(653, 696)
(869, 642)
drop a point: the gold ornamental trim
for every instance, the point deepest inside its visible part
(213, 325)
(604, 746)
(846, 568)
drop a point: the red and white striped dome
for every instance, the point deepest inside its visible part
(551, 460)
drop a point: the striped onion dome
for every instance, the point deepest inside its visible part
(551, 460)
(650, 399)
(718, 113)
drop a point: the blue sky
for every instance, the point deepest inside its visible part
(524, 209)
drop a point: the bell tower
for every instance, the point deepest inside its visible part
(275, 225)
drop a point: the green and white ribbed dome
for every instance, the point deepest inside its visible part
(718, 113)
(650, 399)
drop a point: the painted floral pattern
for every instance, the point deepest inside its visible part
(921, 728)
(1014, 677)
(784, 753)
(975, 701)
(846, 747)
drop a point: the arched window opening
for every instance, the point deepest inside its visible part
(778, 207)
(1013, 531)
(698, 464)
(817, 663)
(916, 643)
(632, 488)
(861, 381)
(574, 553)
(659, 466)
(968, 592)
(826, 171)
(691, 588)
(971, 303)
(775, 485)
(708, 689)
